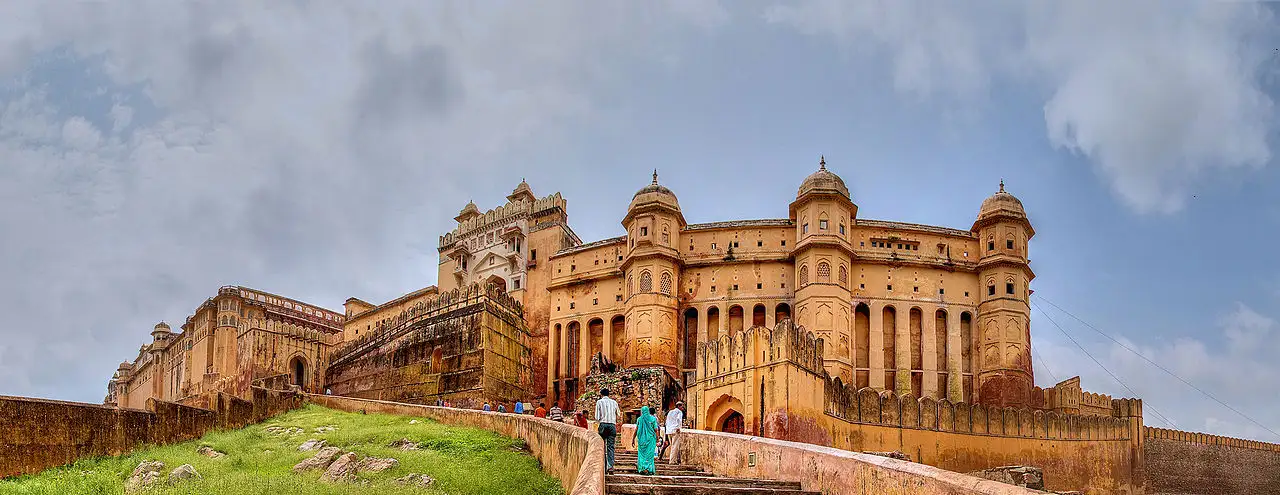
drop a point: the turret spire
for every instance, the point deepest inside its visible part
(655, 176)
(822, 162)
(1002, 184)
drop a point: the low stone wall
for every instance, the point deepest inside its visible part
(1184, 463)
(37, 434)
(825, 469)
(574, 455)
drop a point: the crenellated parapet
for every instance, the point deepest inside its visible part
(1150, 432)
(513, 210)
(743, 350)
(442, 303)
(869, 406)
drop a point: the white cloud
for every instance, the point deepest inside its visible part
(1156, 94)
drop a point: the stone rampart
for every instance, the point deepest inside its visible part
(572, 454)
(1181, 462)
(37, 434)
(825, 469)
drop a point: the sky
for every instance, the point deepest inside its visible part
(153, 152)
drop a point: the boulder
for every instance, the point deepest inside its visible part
(377, 465)
(343, 469)
(321, 460)
(1025, 476)
(416, 480)
(312, 444)
(183, 472)
(404, 444)
(207, 451)
(144, 476)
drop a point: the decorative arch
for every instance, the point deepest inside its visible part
(735, 319)
(646, 282)
(664, 283)
(862, 344)
(824, 271)
(713, 323)
(844, 276)
(299, 371)
(889, 322)
(757, 315)
(781, 312)
(574, 331)
(595, 336)
(690, 337)
(726, 411)
(804, 275)
(619, 330)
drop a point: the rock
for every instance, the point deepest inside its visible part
(378, 465)
(404, 444)
(183, 472)
(892, 455)
(325, 429)
(144, 476)
(268, 451)
(413, 421)
(209, 452)
(1025, 476)
(321, 460)
(312, 444)
(416, 479)
(343, 469)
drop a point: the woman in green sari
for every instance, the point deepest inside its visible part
(646, 441)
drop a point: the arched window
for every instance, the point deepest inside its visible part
(844, 275)
(804, 275)
(664, 283)
(646, 282)
(824, 272)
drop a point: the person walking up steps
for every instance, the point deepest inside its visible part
(675, 421)
(646, 442)
(607, 416)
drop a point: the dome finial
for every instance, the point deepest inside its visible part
(822, 162)
(655, 176)
(1002, 184)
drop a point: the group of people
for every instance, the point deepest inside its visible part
(649, 434)
(653, 439)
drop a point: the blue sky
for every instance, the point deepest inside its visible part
(318, 149)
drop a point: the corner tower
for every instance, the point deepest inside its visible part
(823, 214)
(1003, 340)
(652, 269)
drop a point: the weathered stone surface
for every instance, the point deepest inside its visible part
(892, 455)
(144, 476)
(343, 469)
(312, 444)
(404, 444)
(207, 451)
(415, 479)
(321, 460)
(377, 464)
(183, 472)
(325, 429)
(1025, 476)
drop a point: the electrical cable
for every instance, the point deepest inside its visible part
(1153, 363)
(1100, 365)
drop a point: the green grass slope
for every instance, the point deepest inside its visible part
(462, 460)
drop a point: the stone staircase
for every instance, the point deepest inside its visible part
(680, 479)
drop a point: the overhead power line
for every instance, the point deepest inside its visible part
(1100, 365)
(1157, 365)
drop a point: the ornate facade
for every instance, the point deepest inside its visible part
(233, 339)
(930, 311)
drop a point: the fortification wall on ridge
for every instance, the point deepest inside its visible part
(1180, 462)
(37, 434)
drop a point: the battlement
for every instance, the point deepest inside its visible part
(512, 210)
(1206, 439)
(441, 304)
(869, 406)
(743, 350)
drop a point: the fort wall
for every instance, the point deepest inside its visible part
(37, 434)
(1180, 462)
(465, 346)
(573, 455)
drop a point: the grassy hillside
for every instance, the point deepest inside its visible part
(462, 460)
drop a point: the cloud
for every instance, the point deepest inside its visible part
(1157, 95)
(154, 153)
(1238, 372)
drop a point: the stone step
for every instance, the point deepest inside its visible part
(654, 489)
(662, 470)
(632, 459)
(707, 480)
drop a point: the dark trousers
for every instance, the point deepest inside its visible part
(609, 433)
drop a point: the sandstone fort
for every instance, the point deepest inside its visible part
(819, 327)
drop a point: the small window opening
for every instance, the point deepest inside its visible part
(1008, 244)
(991, 245)
(991, 290)
(822, 224)
(759, 286)
(1008, 288)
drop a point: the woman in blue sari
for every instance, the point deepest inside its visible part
(646, 441)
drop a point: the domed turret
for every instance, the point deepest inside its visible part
(468, 212)
(1001, 203)
(521, 192)
(654, 193)
(823, 181)
(160, 331)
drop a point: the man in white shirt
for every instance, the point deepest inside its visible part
(607, 416)
(675, 421)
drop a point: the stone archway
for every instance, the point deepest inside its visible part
(733, 422)
(298, 372)
(726, 412)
